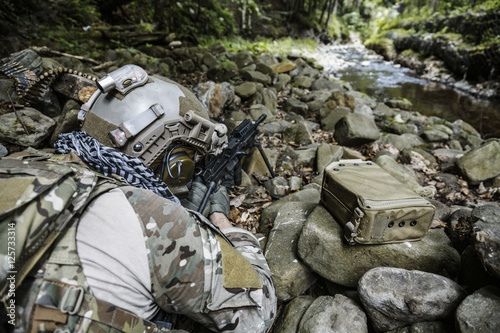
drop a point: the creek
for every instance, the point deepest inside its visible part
(369, 73)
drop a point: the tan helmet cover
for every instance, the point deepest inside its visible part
(142, 115)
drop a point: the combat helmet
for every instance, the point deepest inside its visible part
(154, 119)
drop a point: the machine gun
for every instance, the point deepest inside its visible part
(213, 170)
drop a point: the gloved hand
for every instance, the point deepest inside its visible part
(217, 201)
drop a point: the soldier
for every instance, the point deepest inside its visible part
(135, 254)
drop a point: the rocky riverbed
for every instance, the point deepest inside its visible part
(446, 282)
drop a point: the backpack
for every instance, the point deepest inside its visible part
(40, 195)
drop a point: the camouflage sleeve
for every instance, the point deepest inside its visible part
(196, 273)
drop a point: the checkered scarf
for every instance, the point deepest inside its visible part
(109, 161)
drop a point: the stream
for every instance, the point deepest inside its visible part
(371, 74)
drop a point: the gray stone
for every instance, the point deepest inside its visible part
(3, 151)
(277, 186)
(400, 104)
(293, 105)
(326, 154)
(298, 133)
(355, 129)
(329, 122)
(402, 141)
(333, 314)
(479, 312)
(482, 162)
(289, 319)
(486, 237)
(395, 297)
(256, 76)
(214, 96)
(322, 246)
(433, 135)
(243, 58)
(68, 121)
(245, 90)
(257, 110)
(187, 66)
(270, 99)
(323, 83)
(306, 155)
(303, 81)
(310, 195)
(291, 277)
(38, 127)
(425, 327)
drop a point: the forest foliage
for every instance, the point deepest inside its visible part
(64, 23)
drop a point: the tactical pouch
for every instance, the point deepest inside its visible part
(373, 206)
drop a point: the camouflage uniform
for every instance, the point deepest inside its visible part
(193, 272)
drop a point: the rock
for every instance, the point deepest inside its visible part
(325, 84)
(433, 135)
(256, 76)
(355, 129)
(395, 297)
(284, 67)
(326, 154)
(254, 163)
(298, 133)
(3, 151)
(333, 314)
(277, 186)
(76, 87)
(29, 59)
(68, 121)
(302, 81)
(270, 99)
(289, 319)
(402, 104)
(425, 327)
(479, 312)
(242, 58)
(322, 246)
(481, 163)
(38, 125)
(401, 141)
(291, 277)
(293, 105)
(329, 122)
(222, 72)
(473, 275)
(486, 237)
(306, 195)
(306, 155)
(187, 66)
(258, 110)
(245, 90)
(214, 96)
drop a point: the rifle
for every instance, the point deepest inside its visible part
(214, 169)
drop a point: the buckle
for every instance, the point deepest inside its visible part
(72, 300)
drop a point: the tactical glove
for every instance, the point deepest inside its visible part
(217, 201)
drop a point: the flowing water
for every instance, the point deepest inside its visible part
(382, 80)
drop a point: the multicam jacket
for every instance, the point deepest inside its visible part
(193, 272)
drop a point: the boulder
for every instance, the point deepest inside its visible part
(333, 314)
(481, 163)
(395, 297)
(355, 129)
(323, 248)
(291, 277)
(479, 312)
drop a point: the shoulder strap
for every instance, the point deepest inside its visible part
(38, 199)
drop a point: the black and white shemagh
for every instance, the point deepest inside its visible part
(109, 161)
